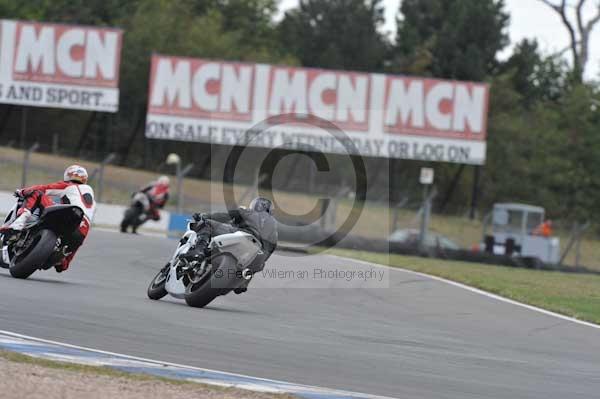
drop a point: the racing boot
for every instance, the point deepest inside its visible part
(242, 288)
(20, 222)
(62, 266)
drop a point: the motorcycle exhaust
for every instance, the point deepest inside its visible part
(5, 257)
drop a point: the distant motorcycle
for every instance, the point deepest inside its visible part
(139, 212)
(43, 243)
(228, 266)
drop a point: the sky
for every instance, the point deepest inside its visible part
(529, 19)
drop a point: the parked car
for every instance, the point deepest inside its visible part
(432, 240)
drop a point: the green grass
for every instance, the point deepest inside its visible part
(576, 295)
(113, 373)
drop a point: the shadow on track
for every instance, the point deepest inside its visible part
(231, 310)
(40, 280)
(212, 308)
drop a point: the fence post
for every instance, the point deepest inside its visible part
(426, 179)
(55, 143)
(111, 157)
(26, 156)
(22, 138)
(578, 248)
(575, 239)
(180, 175)
(475, 192)
(424, 218)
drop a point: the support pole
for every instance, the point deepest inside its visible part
(475, 193)
(5, 117)
(451, 189)
(424, 218)
(26, 157)
(111, 157)
(181, 173)
(575, 239)
(23, 137)
(55, 143)
(578, 252)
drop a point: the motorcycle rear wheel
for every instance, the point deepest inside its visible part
(221, 281)
(130, 218)
(34, 256)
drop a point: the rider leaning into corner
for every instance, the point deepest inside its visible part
(72, 190)
(157, 193)
(257, 220)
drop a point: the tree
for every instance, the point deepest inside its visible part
(252, 19)
(579, 31)
(454, 39)
(83, 12)
(341, 34)
(534, 76)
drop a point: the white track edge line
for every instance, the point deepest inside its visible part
(475, 290)
(158, 362)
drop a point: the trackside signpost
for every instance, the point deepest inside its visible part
(199, 100)
(59, 66)
(426, 179)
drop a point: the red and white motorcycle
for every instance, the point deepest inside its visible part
(51, 235)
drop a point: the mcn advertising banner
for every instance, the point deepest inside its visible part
(59, 66)
(270, 106)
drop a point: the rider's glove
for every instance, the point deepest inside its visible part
(23, 192)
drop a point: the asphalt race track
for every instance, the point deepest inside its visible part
(419, 338)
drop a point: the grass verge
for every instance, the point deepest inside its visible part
(571, 294)
(113, 373)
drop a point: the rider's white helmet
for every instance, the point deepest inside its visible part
(76, 174)
(164, 180)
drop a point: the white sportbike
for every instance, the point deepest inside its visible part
(229, 265)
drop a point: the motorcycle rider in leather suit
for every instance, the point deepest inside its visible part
(257, 220)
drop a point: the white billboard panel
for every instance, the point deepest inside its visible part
(388, 116)
(59, 66)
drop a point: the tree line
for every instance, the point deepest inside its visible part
(544, 124)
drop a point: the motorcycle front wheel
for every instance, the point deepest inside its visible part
(156, 289)
(34, 256)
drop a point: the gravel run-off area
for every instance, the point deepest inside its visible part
(33, 381)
